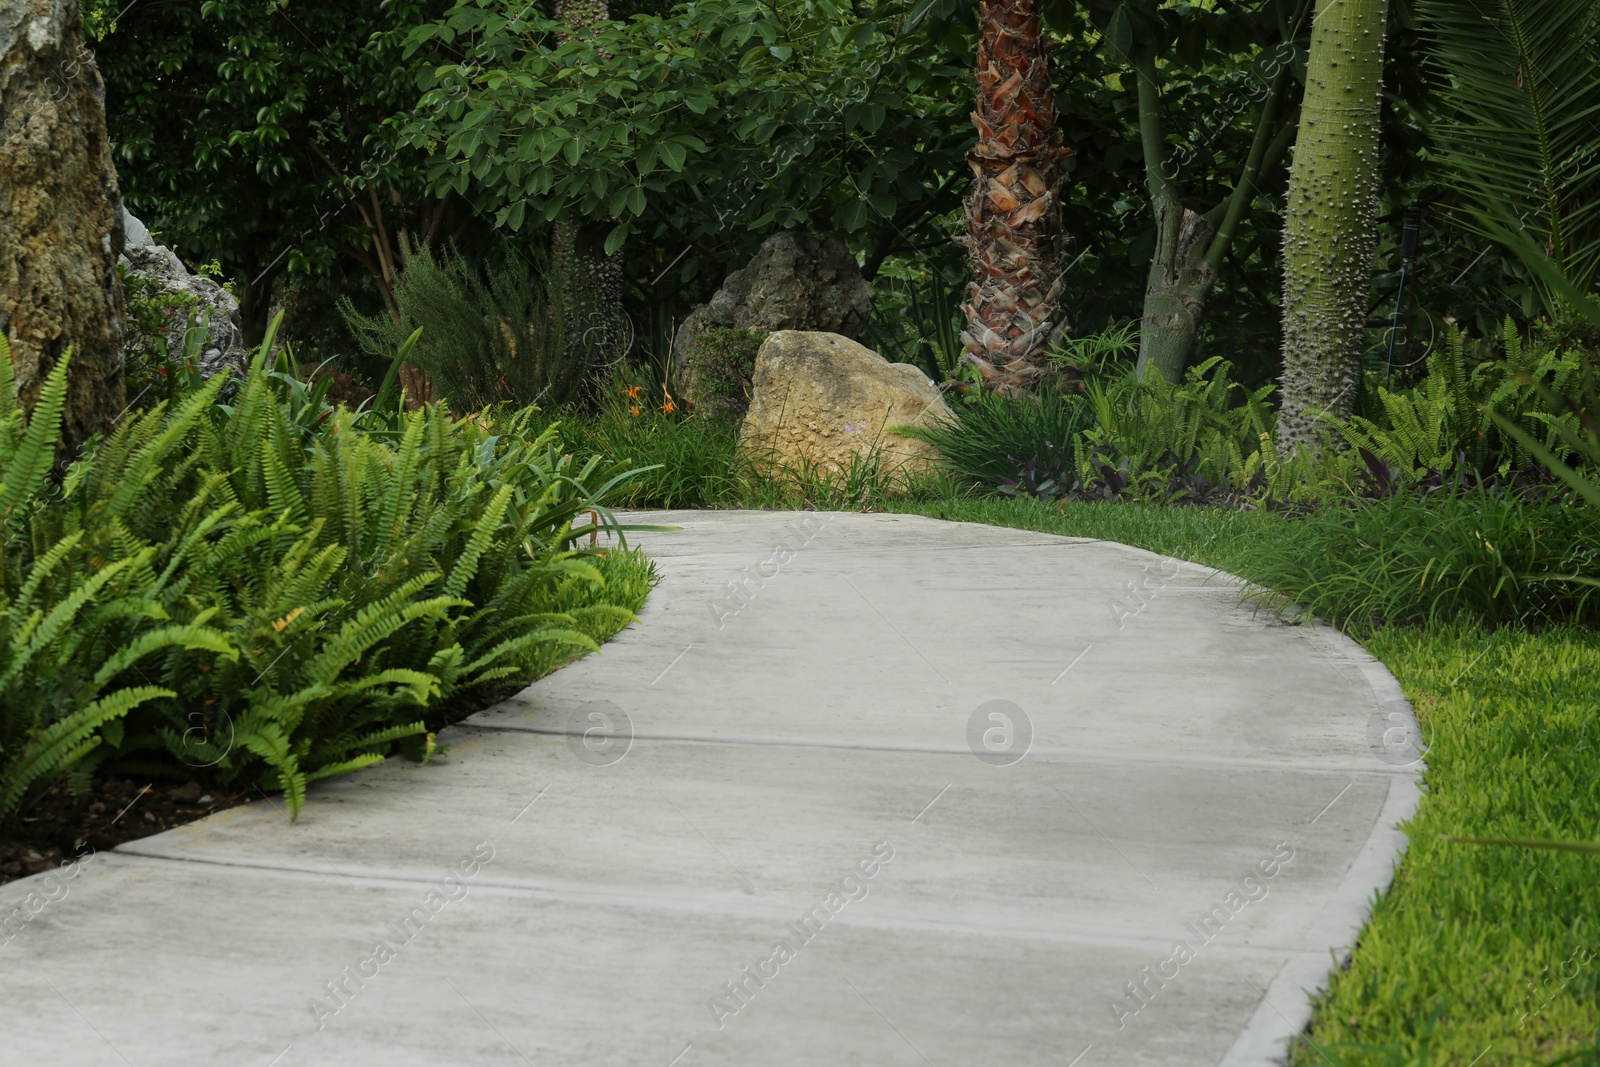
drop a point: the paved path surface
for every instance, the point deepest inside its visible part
(923, 794)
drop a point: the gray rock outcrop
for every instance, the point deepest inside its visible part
(223, 348)
(820, 400)
(795, 282)
(60, 226)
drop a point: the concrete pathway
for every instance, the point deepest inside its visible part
(861, 789)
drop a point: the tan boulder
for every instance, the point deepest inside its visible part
(819, 399)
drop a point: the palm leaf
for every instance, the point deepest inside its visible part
(1523, 94)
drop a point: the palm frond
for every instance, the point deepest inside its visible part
(1523, 95)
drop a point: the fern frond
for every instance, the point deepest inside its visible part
(64, 742)
(29, 466)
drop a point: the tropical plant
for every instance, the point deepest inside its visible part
(1013, 219)
(1097, 352)
(294, 591)
(1191, 246)
(1014, 445)
(1126, 436)
(1205, 435)
(490, 335)
(81, 616)
(1520, 100)
(366, 577)
(1330, 229)
(1450, 424)
(917, 318)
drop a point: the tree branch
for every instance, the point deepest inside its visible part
(1271, 140)
(1152, 132)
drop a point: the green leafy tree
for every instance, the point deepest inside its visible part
(692, 123)
(259, 135)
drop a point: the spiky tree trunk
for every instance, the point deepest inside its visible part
(1013, 220)
(60, 216)
(1330, 228)
(594, 323)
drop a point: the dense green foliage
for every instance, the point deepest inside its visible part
(1209, 438)
(485, 341)
(1461, 554)
(270, 593)
(80, 609)
(722, 362)
(710, 115)
(1516, 135)
(258, 135)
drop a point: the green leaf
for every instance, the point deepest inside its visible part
(853, 215)
(616, 238)
(673, 155)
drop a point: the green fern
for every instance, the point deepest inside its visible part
(272, 591)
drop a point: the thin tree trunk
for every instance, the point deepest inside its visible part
(1190, 247)
(1330, 228)
(1013, 219)
(1180, 280)
(60, 217)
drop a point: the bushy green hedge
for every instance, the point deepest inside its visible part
(1208, 439)
(272, 591)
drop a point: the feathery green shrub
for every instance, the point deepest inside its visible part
(270, 594)
(81, 612)
(1462, 420)
(488, 337)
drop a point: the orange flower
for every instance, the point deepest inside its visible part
(632, 392)
(634, 410)
(669, 407)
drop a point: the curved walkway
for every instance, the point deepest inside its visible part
(862, 789)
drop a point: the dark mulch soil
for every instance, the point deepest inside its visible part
(60, 826)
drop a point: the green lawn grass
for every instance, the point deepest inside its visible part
(1478, 956)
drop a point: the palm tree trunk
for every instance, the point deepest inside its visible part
(1013, 220)
(1330, 229)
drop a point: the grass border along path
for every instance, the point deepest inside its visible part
(1477, 957)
